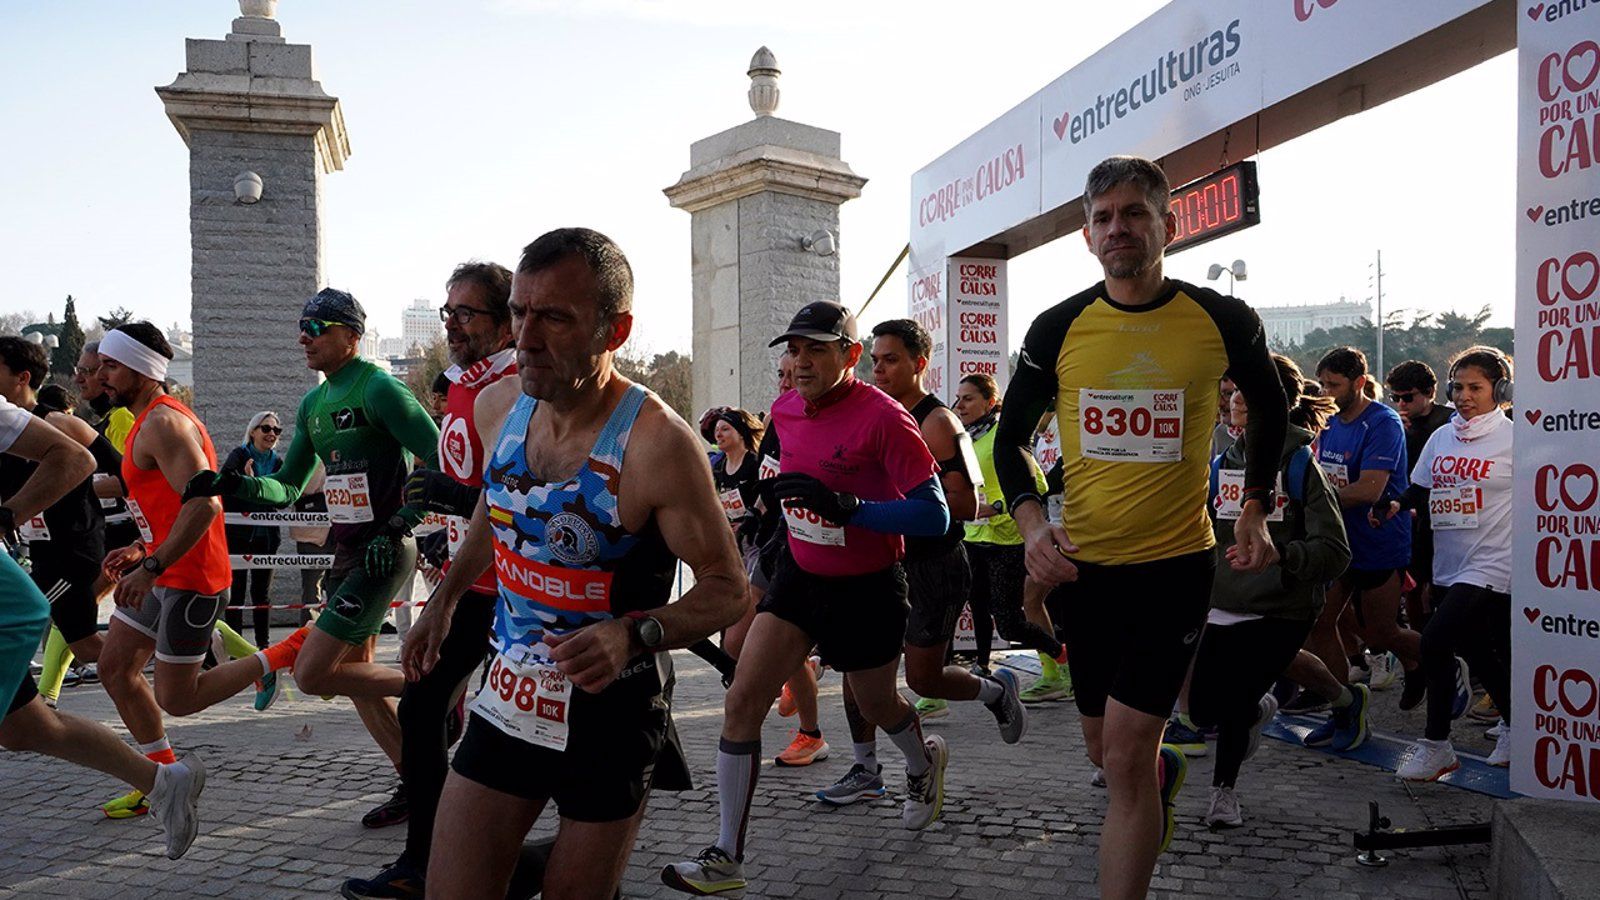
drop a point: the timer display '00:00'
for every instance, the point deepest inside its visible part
(1218, 204)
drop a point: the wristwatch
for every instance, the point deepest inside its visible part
(152, 565)
(648, 629)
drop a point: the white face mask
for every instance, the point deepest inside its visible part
(1476, 427)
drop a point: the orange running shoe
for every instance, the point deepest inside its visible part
(282, 654)
(803, 751)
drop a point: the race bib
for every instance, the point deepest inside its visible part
(1230, 491)
(455, 533)
(1336, 473)
(1053, 506)
(1131, 426)
(105, 502)
(733, 504)
(34, 530)
(805, 525)
(349, 501)
(769, 468)
(529, 701)
(145, 534)
(1454, 508)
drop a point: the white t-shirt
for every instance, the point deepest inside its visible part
(1470, 486)
(12, 422)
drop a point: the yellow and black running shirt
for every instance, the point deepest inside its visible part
(1135, 393)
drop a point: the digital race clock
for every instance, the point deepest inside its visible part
(1218, 204)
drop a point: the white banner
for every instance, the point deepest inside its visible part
(1555, 618)
(281, 561)
(929, 307)
(977, 320)
(978, 188)
(275, 518)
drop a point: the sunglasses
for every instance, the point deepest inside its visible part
(1404, 397)
(270, 429)
(315, 327)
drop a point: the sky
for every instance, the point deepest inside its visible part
(477, 125)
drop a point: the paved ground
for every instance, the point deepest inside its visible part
(288, 787)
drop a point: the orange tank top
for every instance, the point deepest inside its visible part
(205, 569)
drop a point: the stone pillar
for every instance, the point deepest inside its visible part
(764, 204)
(261, 134)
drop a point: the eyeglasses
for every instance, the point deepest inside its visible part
(315, 327)
(462, 314)
(1403, 396)
(270, 429)
(85, 371)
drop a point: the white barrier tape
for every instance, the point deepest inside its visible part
(281, 561)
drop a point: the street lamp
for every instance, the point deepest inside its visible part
(1235, 272)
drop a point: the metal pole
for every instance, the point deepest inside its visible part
(1381, 371)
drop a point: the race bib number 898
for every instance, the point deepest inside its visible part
(1131, 426)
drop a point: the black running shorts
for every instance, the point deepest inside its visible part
(26, 691)
(1132, 629)
(937, 589)
(67, 583)
(857, 621)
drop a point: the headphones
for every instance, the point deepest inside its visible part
(1503, 388)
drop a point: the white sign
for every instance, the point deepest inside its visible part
(978, 188)
(281, 560)
(1555, 614)
(976, 324)
(930, 308)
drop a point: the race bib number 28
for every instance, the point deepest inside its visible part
(1229, 501)
(1141, 426)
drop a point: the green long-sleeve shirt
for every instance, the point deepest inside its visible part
(360, 421)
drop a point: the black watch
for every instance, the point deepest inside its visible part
(649, 631)
(152, 565)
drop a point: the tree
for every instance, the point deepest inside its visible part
(1433, 339)
(435, 358)
(119, 316)
(65, 356)
(13, 322)
(669, 375)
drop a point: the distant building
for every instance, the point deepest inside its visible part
(390, 347)
(1290, 324)
(420, 325)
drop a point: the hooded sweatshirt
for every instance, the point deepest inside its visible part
(1311, 542)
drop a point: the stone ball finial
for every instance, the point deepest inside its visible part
(258, 9)
(764, 82)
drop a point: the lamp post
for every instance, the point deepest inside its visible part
(1235, 272)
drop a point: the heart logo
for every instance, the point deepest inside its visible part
(1060, 125)
(1582, 680)
(1580, 276)
(1535, 11)
(1588, 52)
(1532, 613)
(1534, 212)
(1533, 416)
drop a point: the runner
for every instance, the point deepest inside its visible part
(937, 573)
(594, 490)
(856, 476)
(1259, 620)
(478, 330)
(171, 586)
(361, 423)
(1464, 477)
(1363, 451)
(1135, 362)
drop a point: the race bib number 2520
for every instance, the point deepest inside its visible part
(1141, 426)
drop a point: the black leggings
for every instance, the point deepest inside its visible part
(1474, 623)
(424, 708)
(252, 539)
(998, 571)
(1234, 666)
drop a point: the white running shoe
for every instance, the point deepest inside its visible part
(1494, 733)
(1385, 668)
(1502, 749)
(1098, 779)
(925, 792)
(1429, 761)
(1266, 711)
(1224, 810)
(219, 650)
(175, 800)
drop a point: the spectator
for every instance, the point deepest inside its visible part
(254, 457)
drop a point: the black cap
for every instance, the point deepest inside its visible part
(338, 307)
(822, 320)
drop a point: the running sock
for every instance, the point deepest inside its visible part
(866, 754)
(1049, 669)
(234, 643)
(1061, 658)
(159, 751)
(57, 659)
(1185, 721)
(908, 737)
(1344, 699)
(737, 764)
(990, 691)
(282, 654)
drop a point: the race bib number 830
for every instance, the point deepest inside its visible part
(1142, 426)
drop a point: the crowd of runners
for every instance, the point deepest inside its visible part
(1213, 537)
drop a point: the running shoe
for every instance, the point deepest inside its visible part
(1350, 724)
(1188, 741)
(929, 708)
(857, 784)
(980, 670)
(1266, 711)
(787, 705)
(925, 792)
(1224, 809)
(219, 650)
(175, 799)
(1009, 713)
(1359, 672)
(1322, 735)
(1385, 668)
(712, 873)
(1429, 761)
(129, 806)
(1463, 696)
(1416, 687)
(392, 811)
(1098, 779)
(71, 678)
(1493, 733)
(1047, 690)
(268, 689)
(89, 674)
(1174, 768)
(803, 751)
(400, 881)
(35, 669)
(1305, 703)
(1501, 755)
(1485, 710)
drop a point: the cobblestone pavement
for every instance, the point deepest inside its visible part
(287, 789)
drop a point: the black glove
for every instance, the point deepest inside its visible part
(435, 548)
(207, 483)
(807, 492)
(749, 528)
(8, 527)
(438, 492)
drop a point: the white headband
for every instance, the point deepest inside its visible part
(136, 356)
